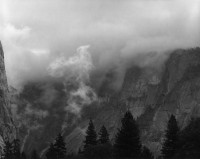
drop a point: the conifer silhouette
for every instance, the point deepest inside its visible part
(189, 141)
(171, 137)
(103, 135)
(16, 149)
(8, 150)
(51, 152)
(127, 141)
(91, 136)
(60, 147)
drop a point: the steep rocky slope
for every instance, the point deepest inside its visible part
(151, 94)
(176, 92)
(7, 129)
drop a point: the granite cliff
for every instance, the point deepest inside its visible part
(7, 128)
(154, 98)
(150, 93)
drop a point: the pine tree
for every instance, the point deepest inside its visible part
(91, 136)
(60, 147)
(127, 141)
(103, 135)
(171, 137)
(146, 153)
(16, 149)
(189, 141)
(8, 150)
(34, 155)
(51, 152)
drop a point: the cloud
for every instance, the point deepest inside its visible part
(79, 98)
(40, 31)
(36, 113)
(10, 32)
(79, 66)
(23, 62)
(75, 71)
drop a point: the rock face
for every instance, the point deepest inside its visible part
(176, 92)
(151, 95)
(7, 129)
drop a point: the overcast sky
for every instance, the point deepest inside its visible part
(35, 32)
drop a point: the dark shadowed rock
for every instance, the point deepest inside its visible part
(7, 129)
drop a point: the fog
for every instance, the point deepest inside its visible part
(36, 33)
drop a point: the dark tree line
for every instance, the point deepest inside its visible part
(170, 144)
(127, 142)
(57, 149)
(177, 144)
(188, 141)
(98, 145)
(182, 144)
(11, 150)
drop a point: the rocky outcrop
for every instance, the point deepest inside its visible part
(7, 129)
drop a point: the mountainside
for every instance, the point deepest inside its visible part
(7, 128)
(41, 109)
(176, 92)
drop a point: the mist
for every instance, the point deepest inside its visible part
(36, 33)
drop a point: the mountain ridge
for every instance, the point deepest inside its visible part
(150, 94)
